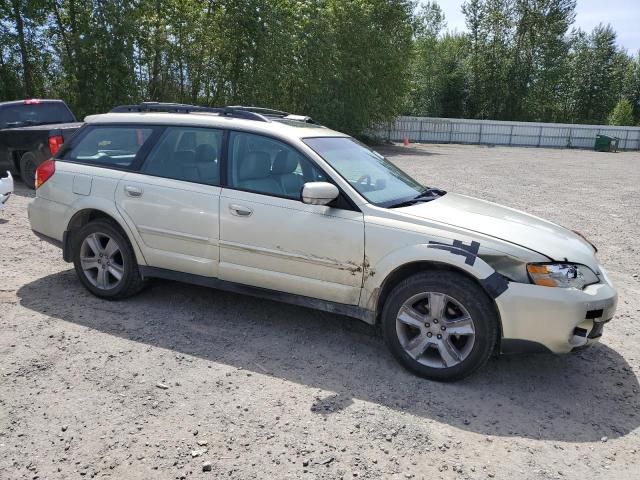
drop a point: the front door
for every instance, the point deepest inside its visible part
(270, 239)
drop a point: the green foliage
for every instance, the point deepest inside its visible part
(519, 60)
(347, 63)
(596, 69)
(343, 62)
(622, 113)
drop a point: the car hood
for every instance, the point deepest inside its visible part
(507, 224)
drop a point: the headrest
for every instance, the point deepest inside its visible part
(206, 153)
(255, 165)
(187, 141)
(284, 163)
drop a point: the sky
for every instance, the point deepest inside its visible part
(623, 15)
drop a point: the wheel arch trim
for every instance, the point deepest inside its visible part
(82, 212)
(401, 263)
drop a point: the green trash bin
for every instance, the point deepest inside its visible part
(605, 143)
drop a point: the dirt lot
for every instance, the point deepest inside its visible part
(155, 386)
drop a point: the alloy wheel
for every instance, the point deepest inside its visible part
(435, 330)
(102, 261)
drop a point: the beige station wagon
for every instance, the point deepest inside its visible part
(270, 204)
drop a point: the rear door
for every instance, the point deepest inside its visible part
(172, 202)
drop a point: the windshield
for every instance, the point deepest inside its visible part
(25, 114)
(373, 176)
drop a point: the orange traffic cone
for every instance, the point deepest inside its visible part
(405, 141)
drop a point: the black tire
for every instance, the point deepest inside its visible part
(468, 294)
(28, 165)
(131, 281)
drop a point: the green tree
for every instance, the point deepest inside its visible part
(631, 85)
(596, 75)
(539, 53)
(348, 63)
(622, 113)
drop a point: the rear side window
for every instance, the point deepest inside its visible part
(26, 114)
(187, 153)
(110, 146)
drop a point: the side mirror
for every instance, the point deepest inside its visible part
(319, 193)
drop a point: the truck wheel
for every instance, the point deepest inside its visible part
(28, 165)
(104, 261)
(440, 325)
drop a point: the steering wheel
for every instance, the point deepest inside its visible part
(363, 178)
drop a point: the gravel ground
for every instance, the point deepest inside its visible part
(181, 377)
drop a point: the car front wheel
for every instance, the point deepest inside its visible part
(105, 262)
(440, 325)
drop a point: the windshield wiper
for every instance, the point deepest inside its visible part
(412, 201)
(430, 192)
(426, 195)
(406, 203)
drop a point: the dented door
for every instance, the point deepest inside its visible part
(286, 245)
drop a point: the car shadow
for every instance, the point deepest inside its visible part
(21, 190)
(580, 397)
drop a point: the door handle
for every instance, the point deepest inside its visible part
(240, 211)
(133, 191)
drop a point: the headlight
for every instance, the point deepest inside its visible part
(564, 275)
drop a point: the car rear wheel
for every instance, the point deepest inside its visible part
(28, 165)
(440, 325)
(105, 262)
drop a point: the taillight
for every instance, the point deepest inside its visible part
(55, 142)
(31, 101)
(45, 171)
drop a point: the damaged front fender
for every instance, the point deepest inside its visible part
(457, 254)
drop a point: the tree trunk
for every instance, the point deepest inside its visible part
(29, 89)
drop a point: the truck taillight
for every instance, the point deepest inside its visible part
(45, 171)
(55, 142)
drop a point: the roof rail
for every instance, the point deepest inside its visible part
(269, 112)
(185, 108)
(236, 111)
(263, 111)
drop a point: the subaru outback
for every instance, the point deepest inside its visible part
(274, 205)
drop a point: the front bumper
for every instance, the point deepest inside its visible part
(556, 319)
(6, 189)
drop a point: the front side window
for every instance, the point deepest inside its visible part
(374, 177)
(187, 153)
(110, 146)
(264, 165)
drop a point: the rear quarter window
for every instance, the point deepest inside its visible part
(109, 146)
